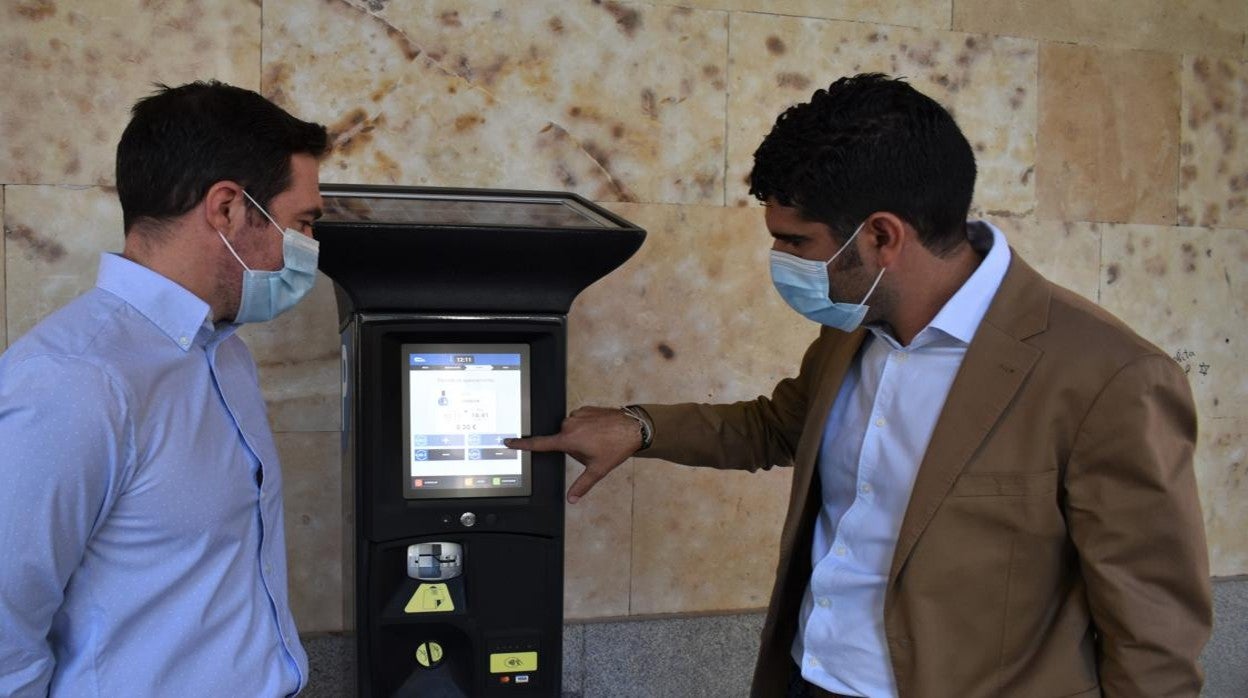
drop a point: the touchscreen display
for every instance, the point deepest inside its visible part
(460, 401)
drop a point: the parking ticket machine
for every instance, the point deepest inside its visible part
(453, 305)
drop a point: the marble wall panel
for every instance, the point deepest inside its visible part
(1178, 26)
(598, 543)
(73, 69)
(299, 357)
(705, 540)
(618, 102)
(1108, 135)
(1213, 182)
(1186, 290)
(1068, 254)
(1222, 470)
(988, 84)
(691, 317)
(932, 14)
(53, 239)
(311, 475)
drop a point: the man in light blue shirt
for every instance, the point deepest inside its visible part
(141, 513)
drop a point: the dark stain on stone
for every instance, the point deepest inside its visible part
(37, 247)
(1201, 68)
(388, 166)
(450, 18)
(710, 71)
(873, 37)
(628, 19)
(971, 42)
(666, 351)
(353, 131)
(649, 103)
(1189, 257)
(617, 131)
(36, 11)
(1187, 174)
(489, 74)
(565, 175)
(1027, 174)
(924, 57)
(775, 46)
(555, 24)
(796, 81)
(410, 50)
(1111, 274)
(706, 184)
(463, 122)
(598, 154)
(1016, 99)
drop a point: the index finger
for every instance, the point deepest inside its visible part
(552, 442)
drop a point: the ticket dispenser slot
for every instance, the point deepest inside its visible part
(453, 308)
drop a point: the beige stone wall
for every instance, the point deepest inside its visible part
(1111, 139)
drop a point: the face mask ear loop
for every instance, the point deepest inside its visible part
(848, 242)
(261, 209)
(872, 289)
(230, 247)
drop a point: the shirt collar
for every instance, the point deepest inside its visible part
(178, 313)
(961, 314)
(959, 318)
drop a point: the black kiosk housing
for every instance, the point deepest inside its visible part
(453, 306)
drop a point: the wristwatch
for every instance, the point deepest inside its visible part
(643, 423)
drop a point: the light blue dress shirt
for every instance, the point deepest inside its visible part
(141, 538)
(873, 442)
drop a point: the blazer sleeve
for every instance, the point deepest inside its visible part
(1135, 519)
(747, 435)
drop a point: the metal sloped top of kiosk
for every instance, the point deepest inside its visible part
(405, 249)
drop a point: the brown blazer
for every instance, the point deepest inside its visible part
(1053, 544)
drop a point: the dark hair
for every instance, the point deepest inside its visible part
(870, 143)
(182, 140)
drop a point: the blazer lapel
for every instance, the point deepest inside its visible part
(829, 385)
(995, 367)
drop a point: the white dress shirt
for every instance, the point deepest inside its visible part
(873, 442)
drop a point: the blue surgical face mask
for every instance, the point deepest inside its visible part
(267, 294)
(803, 284)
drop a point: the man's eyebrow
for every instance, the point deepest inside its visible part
(315, 213)
(789, 237)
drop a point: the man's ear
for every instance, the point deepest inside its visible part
(887, 235)
(225, 209)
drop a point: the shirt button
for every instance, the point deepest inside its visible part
(879, 422)
(812, 661)
(268, 569)
(899, 355)
(865, 488)
(840, 550)
(824, 603)
(184, 342)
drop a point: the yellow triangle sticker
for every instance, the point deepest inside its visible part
(430, 598)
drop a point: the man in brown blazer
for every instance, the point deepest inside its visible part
(993, 491)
